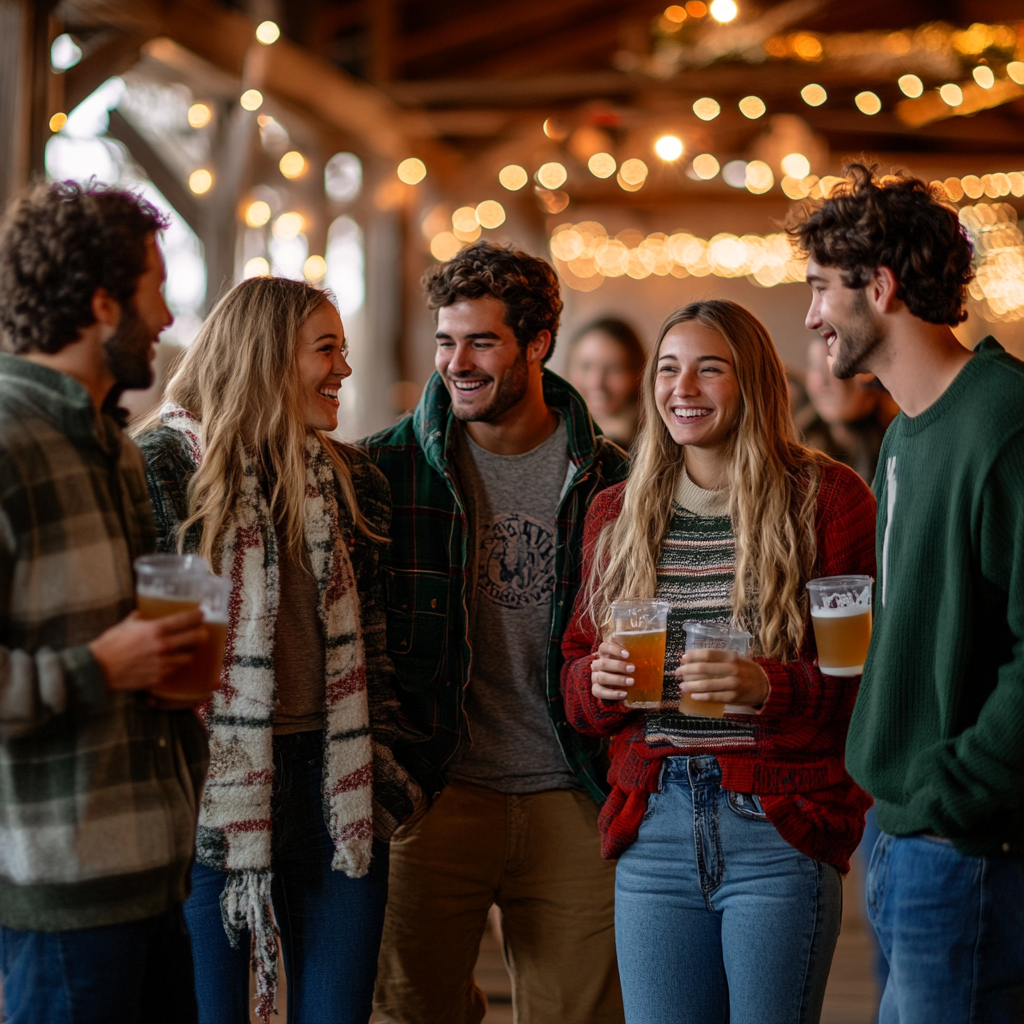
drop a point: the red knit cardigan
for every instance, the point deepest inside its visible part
(796, 766)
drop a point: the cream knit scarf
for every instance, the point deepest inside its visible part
(234, 819)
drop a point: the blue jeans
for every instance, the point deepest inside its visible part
(717, 918)
(135, 973)
(330, 924)
(952, 929)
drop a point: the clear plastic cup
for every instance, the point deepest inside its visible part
(720, 637)
(841, 614)
(169, 584)
(639, 627)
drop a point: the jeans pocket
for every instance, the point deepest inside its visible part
(745, 805)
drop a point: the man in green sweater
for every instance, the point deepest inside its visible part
(937, 736)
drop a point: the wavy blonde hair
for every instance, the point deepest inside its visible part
(240, 379)
(773, 485)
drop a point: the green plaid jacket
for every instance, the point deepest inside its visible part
(428, 574)
(98, 791)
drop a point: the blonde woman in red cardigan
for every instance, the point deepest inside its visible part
(732, 833)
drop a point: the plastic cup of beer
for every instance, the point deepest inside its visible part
(841, 614)
(639, 627)
(169, 584)
(720, 637)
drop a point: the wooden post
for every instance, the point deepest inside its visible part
(24, 91)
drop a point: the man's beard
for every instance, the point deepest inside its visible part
(127, 350)
(860, 337)
(510, 391)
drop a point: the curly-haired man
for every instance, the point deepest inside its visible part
(98, 786)
(937, 736)
(491, 478)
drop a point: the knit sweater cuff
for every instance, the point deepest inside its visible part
(781, 688)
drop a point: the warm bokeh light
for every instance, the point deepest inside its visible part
(1015, 69)
(293, 164)
(952, 94)
(585, 255)
(669, 147)
(911, 86)
(257, 214)
(807, 46)
(972, 186)
(444, 245)
(867, 102)
(412, 171)
(199, 115)
(706, 108)
(796, 165)
(552, 175)
(465, 224)
(675, 13)
(554, 129)
(490, 213)
(696, 8)
(734, 173)
(813, 95)
(58, 121)
(724, 10)
(758, 177)
(513, 177)
(200, 181)
(256, 267)
(267, 32)
(601, 165)
(983, 76)
(752, 107)
(251, 99)
(954, 189)
(705, 166)
(288, 226)
(633, 172)
(628, 186)
(314, 268)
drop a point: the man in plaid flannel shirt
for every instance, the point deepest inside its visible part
(491, 478)
(98, 788)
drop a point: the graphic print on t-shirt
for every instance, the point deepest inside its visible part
(516, 560)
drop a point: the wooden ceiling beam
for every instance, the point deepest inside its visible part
(483, 24)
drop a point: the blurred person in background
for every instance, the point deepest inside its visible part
(303, 790)
(937, 735)
(852, 415)
(731, 832)
(99, 785)
(491, 478)
(606, 362)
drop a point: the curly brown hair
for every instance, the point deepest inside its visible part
(526, 284)
(58, 244)
(894, 221)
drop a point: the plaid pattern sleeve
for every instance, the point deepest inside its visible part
(395, 791)
(98, 791)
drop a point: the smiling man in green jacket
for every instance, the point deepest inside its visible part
(491, 478)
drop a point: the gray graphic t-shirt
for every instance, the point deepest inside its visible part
(512, 504)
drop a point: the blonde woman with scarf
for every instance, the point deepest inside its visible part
(303, 789)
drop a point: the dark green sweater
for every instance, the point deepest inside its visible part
(937, 736)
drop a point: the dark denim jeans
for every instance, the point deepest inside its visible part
(330, 924)
(717, 918)
(952, 929)
(135, 973)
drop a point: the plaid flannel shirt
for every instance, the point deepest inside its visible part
(428, 575)
(98, 791)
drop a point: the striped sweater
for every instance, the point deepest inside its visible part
(695, 574)
(796, 762)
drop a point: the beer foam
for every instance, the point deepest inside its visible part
(847, 612)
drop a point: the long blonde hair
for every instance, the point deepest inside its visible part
(239, 378)
(773, 485)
